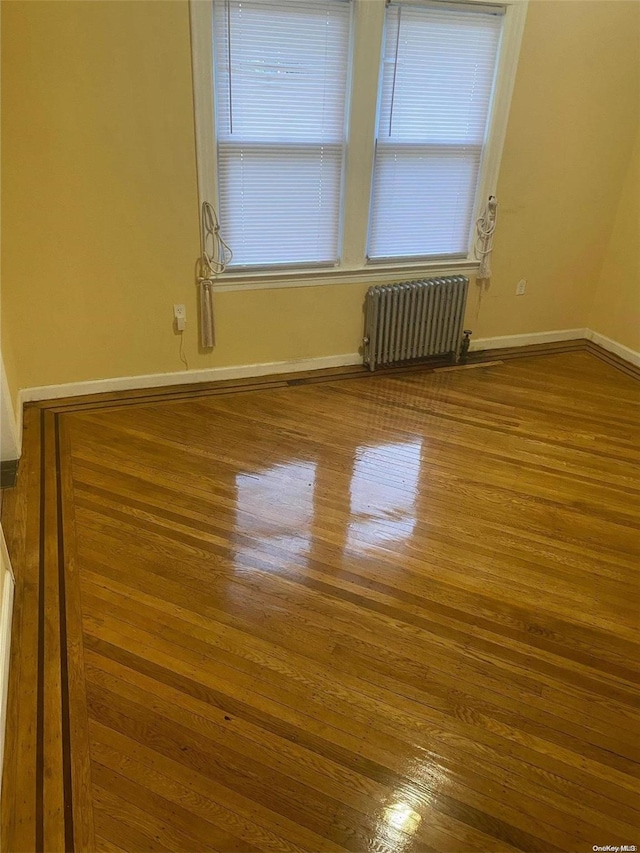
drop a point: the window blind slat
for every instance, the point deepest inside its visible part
(281, 207)
(437, 81)
(280, 83)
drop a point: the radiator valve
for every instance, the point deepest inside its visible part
(464, 347)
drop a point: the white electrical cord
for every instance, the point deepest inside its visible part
(212, 262)
(183, 357)
(485, 229)
(215, 254)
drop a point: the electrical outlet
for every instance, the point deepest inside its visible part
(180, 315)
(521, 287)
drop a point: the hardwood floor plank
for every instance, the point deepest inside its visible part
(570, 815)
(356, 785)
(19, 789)
(317, 613)
(136, 829)
(281, 616)
(237, 809)
(347, 826)
(511, 616)
(388, 750)
(242, 650)
(340, 823)
(451, 508)
(401, 672)
(337, 598)
(205, 835)
(104, 846)
(268, 675)
(194, 791)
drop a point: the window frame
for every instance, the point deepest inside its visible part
(364, 76)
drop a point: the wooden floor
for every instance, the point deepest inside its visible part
(391, 614)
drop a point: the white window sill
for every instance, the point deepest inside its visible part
(318, 278)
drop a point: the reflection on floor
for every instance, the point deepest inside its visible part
(275, 505)
(383, 487)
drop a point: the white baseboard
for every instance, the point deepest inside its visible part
(626, 353)
(244, 371)
(505, 341)
(6, 615)
(186, 377)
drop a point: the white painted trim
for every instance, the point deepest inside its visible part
(505, 341)
(186, 377)
(6, 560)
(365, 78)
(628, 354)
(512, 32)
(244, 371)
(6, 617)
(10, 429)
(201, 27)
(369, 275)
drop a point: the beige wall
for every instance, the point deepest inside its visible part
(616, 307)
(100, 229)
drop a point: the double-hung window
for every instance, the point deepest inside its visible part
(350, 134)
(281, 72)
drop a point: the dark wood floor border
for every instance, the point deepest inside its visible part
(39, 815)
(37, 808)
(613, 360)
(54, 807)
(57, 795)
(119, 399)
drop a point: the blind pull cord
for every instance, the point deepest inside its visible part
(485, 229)
(215, 254)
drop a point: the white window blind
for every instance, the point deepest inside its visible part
(281, 70)
(437, 82)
